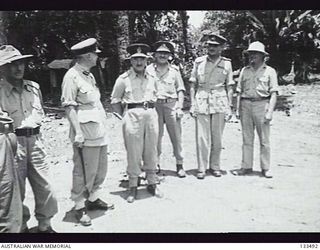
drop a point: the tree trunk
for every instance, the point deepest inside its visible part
(3, 20)
(184, 23)
(123, 38)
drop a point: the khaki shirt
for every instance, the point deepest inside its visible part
(130, 88)
(24, 108)
(79, 90)
(211, 80)
(168, 84)
(259, 83)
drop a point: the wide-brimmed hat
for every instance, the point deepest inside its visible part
(257, 47)
(8, 54)
(86, 46)
(138, 50)
(163, 46)
(216, 39)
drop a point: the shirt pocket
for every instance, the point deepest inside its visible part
(150, 93)
(169, 85)
(202, 102)
(128, 96)
(246, 84)
(13, 111)
(221, 75)
(86, 94)
(91, 123)
(263, 86)
(221, 102)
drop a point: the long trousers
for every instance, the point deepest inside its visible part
(167, 115)
(252, 118)
(209, 130)
(140, 131)
(87, 178)
(10, 196)
(31, 158)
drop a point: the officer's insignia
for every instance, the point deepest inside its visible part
(139, 50)
(163, 46)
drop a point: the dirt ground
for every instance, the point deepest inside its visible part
(290, 202)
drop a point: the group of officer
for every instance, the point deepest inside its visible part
(145, 98)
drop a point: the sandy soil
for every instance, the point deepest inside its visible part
(290, 202)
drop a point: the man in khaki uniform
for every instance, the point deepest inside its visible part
(136, 91)
(170, 98)
(257, 97)
(211, 97)
(22, 100)
(81, 98)
(10, 196)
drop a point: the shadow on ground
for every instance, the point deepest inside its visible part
(70, 216)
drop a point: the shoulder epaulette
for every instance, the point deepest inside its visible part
(149, 74)
(125, 74)
(200, 59)
(175, 67)
(33, 84)
(225, 58)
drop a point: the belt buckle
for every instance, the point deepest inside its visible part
(145, 105)
(28, 132)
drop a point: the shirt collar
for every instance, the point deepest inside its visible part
(156, 66)
(216, 61)
(9, 87)
(135, 75)
(263, 66)
(82, 69)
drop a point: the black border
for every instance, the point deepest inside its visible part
(163, 238)
(157, 4)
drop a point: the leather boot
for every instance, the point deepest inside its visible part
(83, 217)
(154, 190)
(180, 172)
(132, 194)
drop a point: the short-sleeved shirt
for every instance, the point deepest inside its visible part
(132, 88)
(24, 108)
(169, 83)
(79, 90)
(257, 83)
(211, 80)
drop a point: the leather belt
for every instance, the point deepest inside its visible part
(255, 99)
(27, 131)
(145, 105)
(168, 100)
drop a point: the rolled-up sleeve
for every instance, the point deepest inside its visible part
(118, 91)
(274, 87)
(239, 85)
(69, 92)
(179, 82)
(230, 80)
